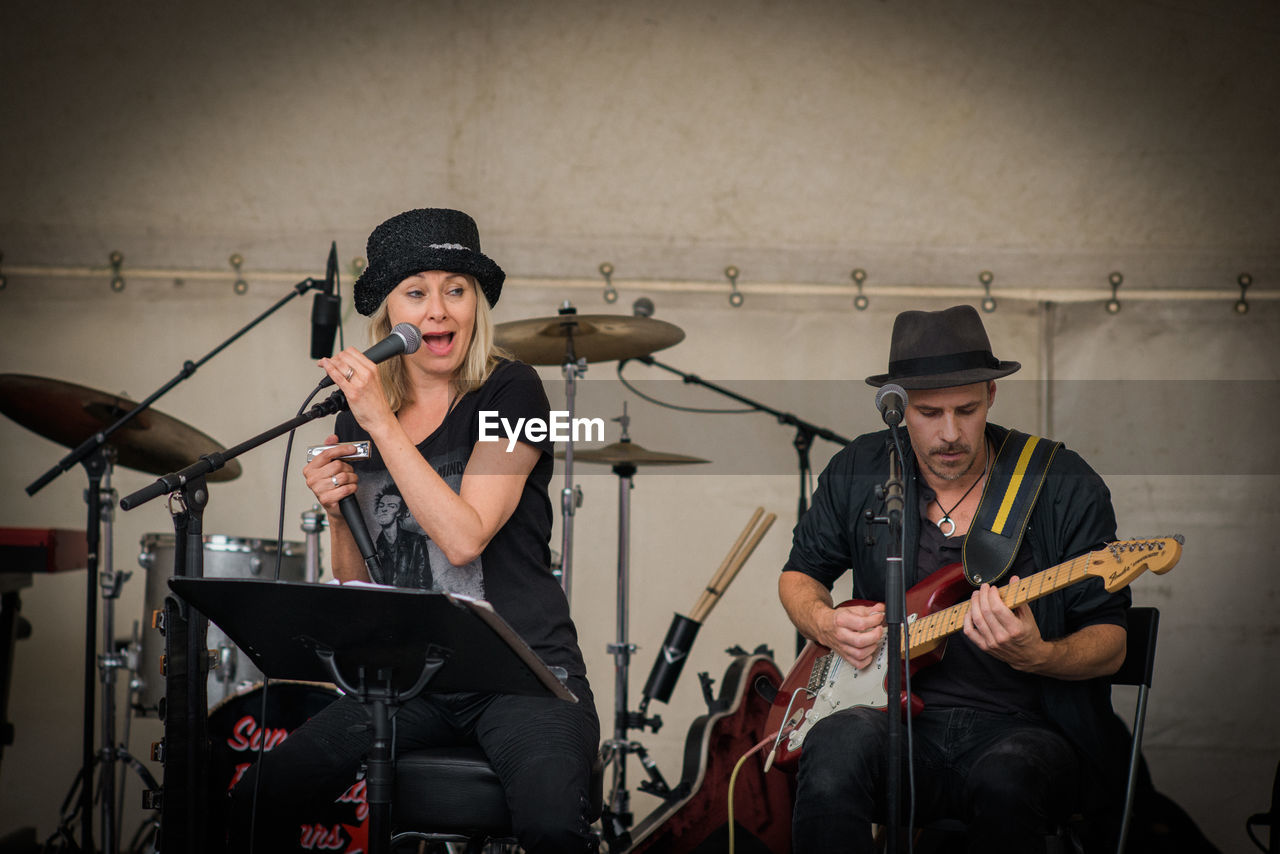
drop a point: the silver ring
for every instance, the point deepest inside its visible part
(348, 374)
(335, 480)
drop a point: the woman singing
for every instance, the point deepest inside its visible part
(455, 515)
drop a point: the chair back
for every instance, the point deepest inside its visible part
(1140, 659)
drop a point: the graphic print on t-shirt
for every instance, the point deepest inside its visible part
(409, 557)
(400, 543)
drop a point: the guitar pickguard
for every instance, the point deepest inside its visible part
(835, 684)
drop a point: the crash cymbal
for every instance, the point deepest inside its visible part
(596, 337)
(68, 414)
(623, 453)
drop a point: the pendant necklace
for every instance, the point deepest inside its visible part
(946, 514)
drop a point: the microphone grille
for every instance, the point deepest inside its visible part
(890, 388)
(411, 334)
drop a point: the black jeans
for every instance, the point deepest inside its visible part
(541, 748)
(1011, 779)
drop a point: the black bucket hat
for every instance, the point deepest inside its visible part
(420, 240)
(941, 349)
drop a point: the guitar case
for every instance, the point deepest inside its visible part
(694, 818)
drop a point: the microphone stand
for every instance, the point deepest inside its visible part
(211, 462)
(892, 493)
(90, 454)
(806, 432)
(184, 799)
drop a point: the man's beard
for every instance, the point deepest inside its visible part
(951, 473)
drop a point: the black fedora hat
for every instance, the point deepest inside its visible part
(940, 349)
(420, 240)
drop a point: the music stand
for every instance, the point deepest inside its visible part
(384, 645)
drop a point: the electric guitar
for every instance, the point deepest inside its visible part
(821, 682)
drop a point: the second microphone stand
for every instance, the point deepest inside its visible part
(184, 799)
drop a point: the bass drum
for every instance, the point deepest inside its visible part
(237, 730)
(224, 557)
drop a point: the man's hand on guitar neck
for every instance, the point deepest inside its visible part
(1014, 638)
(1011, 636)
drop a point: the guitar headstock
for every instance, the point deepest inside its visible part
(1124, 560)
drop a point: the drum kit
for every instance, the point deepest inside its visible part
(156, 443)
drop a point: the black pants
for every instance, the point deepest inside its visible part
(542, 749)
(1010, 779)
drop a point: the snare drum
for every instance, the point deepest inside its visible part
(224, 557)
(237, 730)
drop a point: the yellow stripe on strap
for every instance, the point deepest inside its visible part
(1015, 483)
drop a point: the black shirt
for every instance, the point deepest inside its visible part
(966, 676)
(1073, 515)
(513, 573)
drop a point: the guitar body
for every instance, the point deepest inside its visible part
(694, 818)
(821, 682)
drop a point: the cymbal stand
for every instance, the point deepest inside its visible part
(97, 464)
(109, 661)
(571, 496)
(617, 815)
(103, 576)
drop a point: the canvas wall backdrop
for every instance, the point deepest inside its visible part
(1207, 715)
(922, 143)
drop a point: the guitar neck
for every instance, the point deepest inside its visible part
(925, 632)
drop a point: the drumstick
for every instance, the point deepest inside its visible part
(675, 649)
(701, 614)
(712, 585)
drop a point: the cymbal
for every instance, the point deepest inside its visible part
(596, 337)
(68, 414)
(622, 453)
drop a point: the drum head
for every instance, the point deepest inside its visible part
(238, 729)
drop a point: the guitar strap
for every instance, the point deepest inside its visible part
(1013, 486)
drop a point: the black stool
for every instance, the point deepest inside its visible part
(452, 794)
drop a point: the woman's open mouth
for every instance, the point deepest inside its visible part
(439, 343)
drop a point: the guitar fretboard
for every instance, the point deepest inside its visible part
(925, 631)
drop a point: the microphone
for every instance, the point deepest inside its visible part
(891, 399)
(360, 533)
(642, 307)
(326, 310)
(405, 338)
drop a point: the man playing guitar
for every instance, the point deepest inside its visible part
(1013, 735)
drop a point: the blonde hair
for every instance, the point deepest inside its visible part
(482, 355)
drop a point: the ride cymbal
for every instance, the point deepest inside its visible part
(68, 414)
(594, 337)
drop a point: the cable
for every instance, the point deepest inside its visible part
(733, 779)
(676, 406)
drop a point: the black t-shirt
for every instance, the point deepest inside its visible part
(966, 676)
(513, 573)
